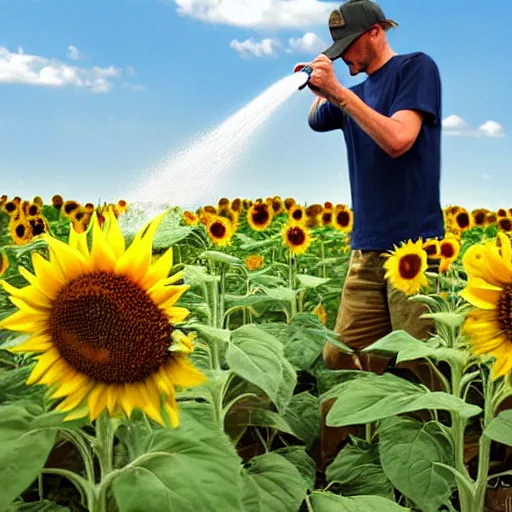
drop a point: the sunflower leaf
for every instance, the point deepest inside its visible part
(298, 456)
(374, 397)
(357, 471)
(24, 449)
(191, 468)
(328, 502)
(500, 428)
(257, 357)
(271, 482)
(308, 281)
(221, 257)
(450, 319)
(408, 451)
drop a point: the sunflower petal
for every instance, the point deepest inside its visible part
(177, 314)
(73, 400)
(171, 408)
(79, 241)
(44, 363)
(102, 255)
(480, 296)
(150, 400)
(115, 238)
(71, 261)
(128, 398)
(159, 270)
(182, 373)
(71, 384)
(166, 296)
(97, 400)
(49, 277)
(36, 343)
(27, 320)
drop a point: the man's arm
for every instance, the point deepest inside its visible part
(395, 135)
(323, 117)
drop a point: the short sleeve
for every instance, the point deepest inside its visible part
(419, 88)
(326, 117)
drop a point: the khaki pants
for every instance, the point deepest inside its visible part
(371, 308)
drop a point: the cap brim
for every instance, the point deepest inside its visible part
(338, 47)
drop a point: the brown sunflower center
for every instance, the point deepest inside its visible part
(296, 236)
(409, 266)
(108, 328)
(504, 310)
(327, 217)
(20, 230)
(297, 214)
(479, 218)
(218, 230)
(505, 224)
(260, 216)
(447, 250)
(462, 220)
(343, 218)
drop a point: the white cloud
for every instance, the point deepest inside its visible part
(455, 125)
(130, 70)
(492, 129)
(258, 13)
(264, 48)
(74, 53)
(21, 68)
(308, 43)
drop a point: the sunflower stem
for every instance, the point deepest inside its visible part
(291, 283)
(76, 437)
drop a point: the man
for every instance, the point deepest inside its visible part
(391, 123)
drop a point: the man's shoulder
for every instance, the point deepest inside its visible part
(416, 58)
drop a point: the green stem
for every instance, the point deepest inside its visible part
(103, 447)
(291, 283)
(484, 452)
(85, 452)
(322, 254)
(221, 295)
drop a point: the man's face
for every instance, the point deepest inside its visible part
(359, 55)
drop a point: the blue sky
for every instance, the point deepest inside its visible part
(105, 90)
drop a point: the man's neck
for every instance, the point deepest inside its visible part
(379, 61)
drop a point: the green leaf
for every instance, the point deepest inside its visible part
(221, 257)
(280, 293)
(500, 428)
(196, 275)
(303, 415)
(257, 356)
(329, 502)
(408, 451)
(308, 281)
(358, 471)
(376, 397)
(37, 506)
(302, 461)
(272, 483)
(193, 468)
(24, 448)
(409, 348)
(450, 319)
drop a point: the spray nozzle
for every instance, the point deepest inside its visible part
(308, 70)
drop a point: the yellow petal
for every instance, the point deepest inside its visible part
(73, 400)
(151, 401)
(159, 270)
(36, 343)
(78, 241)
(71, 261)
(128, 398)
(27, 320)
(71, 384)
(44, 363)
(102, 255)
(55, 373)
(177, 314)
(97, 400)
(505, 249)
(135, 262)
(115, 238)
(166, 296)
(78, 413)
(50, 278)
(480, 296)
(503, 361)
(29, 294)
(182, 373)
(171, 408)
(112, 396)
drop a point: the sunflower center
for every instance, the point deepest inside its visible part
(463, 220)
(260, 216)
(447, 250)
(108, 328)
(409, 266)
(343, 218)
(218, 230)
(504, 310)
(296, 236)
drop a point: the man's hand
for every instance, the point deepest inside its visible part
(324, 78)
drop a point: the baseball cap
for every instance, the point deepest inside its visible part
(352, 19)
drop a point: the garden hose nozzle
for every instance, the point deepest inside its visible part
(308, 70)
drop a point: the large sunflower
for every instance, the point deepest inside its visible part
(343, 218)
(220, 230)
(104, 320)
(406, 267)
(489, 290)
(259, 216)
(297, 237)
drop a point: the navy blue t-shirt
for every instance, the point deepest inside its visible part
(393, 199)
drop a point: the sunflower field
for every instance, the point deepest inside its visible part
(178, 366)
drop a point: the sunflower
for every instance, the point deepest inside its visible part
(104, 322)
(33, 210)
(328, 205)
(432, 248)
(326, 217)
(505, 224)
(24, 207)
(289, 202)
(479, 217)
(297, 237)
(321, 313)
(491, 218)
(39, 201)
(449, 249)
(38, 225)
(462, 220)
(190, 218)
(236, 205)
(223, 202)
(259, 216)
(89, 207)
(489, 290)
(343, 218)
(277, 205)
(231, 215)
(10, 207)
(69, 207)
(220, 230)
(121, 206)
(57, 201)
(501, 212)
(297, 213)
(4, 263)
(254, 262)
(20, 231)
(406, 267)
